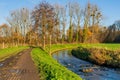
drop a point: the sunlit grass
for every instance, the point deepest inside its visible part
(50, 69)
(8, 52)
(104, 46)
(56, 47)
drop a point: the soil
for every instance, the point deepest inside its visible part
(19, 67)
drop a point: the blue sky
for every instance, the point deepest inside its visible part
(109, 8)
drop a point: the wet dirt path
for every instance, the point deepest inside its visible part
(19, 67)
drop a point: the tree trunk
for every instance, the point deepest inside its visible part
(24, 40)
(77, 37)
(50, 44)
(30, 40)
(3, 45)
(44, 42)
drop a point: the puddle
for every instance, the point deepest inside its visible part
(1, 64)
(16, 71)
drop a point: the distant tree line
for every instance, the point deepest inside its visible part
(113, 33)
(54, 24)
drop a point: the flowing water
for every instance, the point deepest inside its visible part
(76, 65)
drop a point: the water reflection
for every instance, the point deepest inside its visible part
(76, 65)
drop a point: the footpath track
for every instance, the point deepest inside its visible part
(19, 67)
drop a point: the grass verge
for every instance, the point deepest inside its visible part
(50, 69)
(8, 52)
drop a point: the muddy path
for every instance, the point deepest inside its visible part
(19, 67)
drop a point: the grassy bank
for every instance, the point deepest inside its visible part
(49, 68)
(8, 52)
(110, 58)
(57, 47)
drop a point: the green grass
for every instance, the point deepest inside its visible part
(57, 47)
(49, 68)
(8, 52)
(104, 46)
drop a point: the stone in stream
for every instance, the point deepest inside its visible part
(69, 64)
(86, 70)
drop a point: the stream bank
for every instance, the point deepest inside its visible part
(98, 56)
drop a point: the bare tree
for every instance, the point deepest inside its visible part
(87, 15)
(25, 22)
(45, 19)
(78, 16)
(63, 21)
(20, 22)
(57, 9)
(96, 17)
(4, 34)
(113, 33)
(71, 14)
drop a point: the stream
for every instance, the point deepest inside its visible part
(74, 64)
